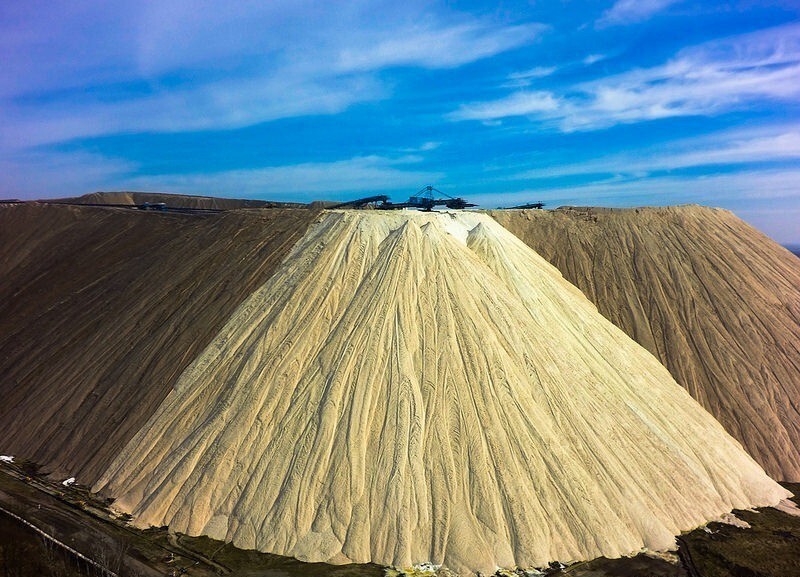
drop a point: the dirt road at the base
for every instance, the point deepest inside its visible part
(80, 521)
(122, 551)
(768, 548)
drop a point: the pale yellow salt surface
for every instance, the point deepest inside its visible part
(424, 387)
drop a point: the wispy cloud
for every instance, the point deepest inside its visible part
(766, 145)
(535, 72)
(222, 105)
(593, 58)
(525, 78)
(343, 36)
(225, 104)
(715, 189)
(174, 66)
(436, 47)
(517, 104)
(700, 81)
(783, 146)
(305, 181)
(632, 11)
(709, 79)
(424, 147)
(50, 173)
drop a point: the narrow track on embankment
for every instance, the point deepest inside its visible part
(79, 530)
(61, 544)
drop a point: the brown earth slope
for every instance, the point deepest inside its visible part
(717, 301)
(175, 200)
(101, 309)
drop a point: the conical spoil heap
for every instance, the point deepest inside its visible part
(424, 387)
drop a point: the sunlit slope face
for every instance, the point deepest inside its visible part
(424, 387)
(714, 299)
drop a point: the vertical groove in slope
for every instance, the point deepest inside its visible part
(446, 396)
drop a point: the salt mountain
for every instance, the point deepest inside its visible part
(424, 387)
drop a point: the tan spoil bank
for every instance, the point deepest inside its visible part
(714, 299)
(101, 310)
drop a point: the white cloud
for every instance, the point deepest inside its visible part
(47, 174)
(346, 36)
(303, 182)
(682, 88)
(204, 35)
(424, 147)
(525, 78)
(716, 189)
(221, 105)
(709, 79)
(783, 146)
(439, 47)
(765, 145)
(592, 58)
(112, 67)
(535, 72)
(632, 11)
(523, 103)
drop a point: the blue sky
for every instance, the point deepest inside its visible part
(634, 102)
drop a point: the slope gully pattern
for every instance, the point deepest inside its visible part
(417, 387)
(714, 299)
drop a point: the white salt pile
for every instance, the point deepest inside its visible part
(413, 388)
